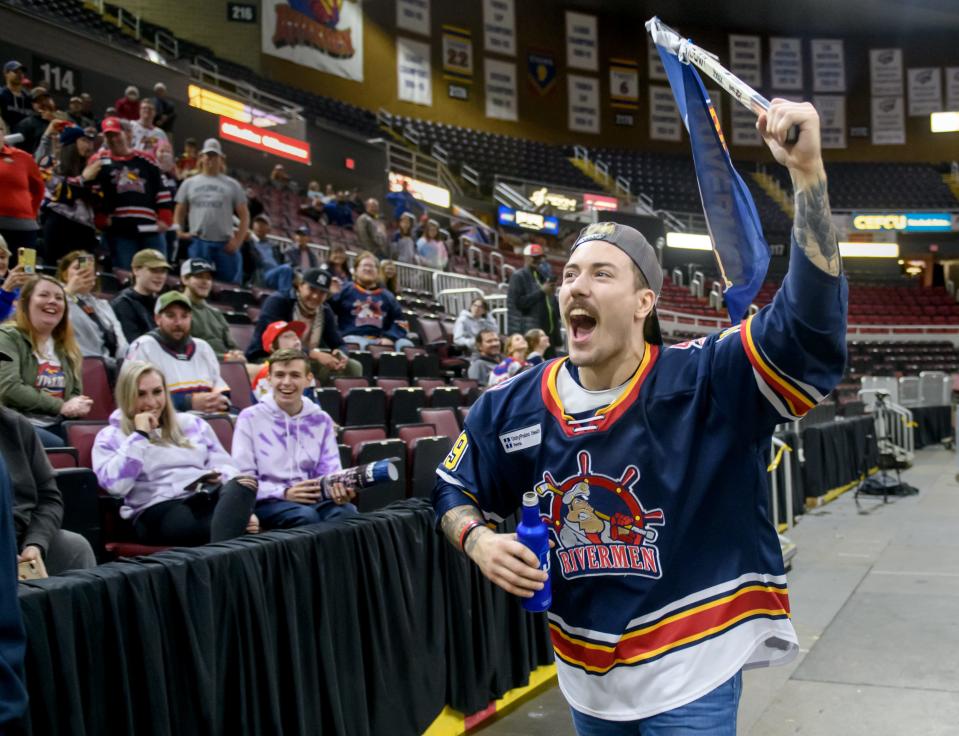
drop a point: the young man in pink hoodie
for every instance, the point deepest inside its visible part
(289, 444)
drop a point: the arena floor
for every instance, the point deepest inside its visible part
(875, 599)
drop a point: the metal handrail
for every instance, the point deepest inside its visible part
(456, 300)
(165, 42)
(780, 456)
(470, 174)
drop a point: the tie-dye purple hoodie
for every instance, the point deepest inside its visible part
(144, 473)
(280, 450)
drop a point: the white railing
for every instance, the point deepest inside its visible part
(418, 278)
(894, 425)
(677, 276)
(716, 295)
(470, 175)
(780, 457)
(444, 280)
(697, 284)
(624, 188)
(164, 42)
(439, 153)
(456, 300)
(474, 257)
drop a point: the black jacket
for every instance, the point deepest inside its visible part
(37, 504)
(134, 312)
(528, 306)
(280, 307)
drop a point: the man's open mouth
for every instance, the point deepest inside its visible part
(581, 324)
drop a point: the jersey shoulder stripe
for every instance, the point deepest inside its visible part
(797, 396)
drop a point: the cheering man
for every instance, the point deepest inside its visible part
(650, 464)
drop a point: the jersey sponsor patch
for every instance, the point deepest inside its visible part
(520, 439)
(456, 454)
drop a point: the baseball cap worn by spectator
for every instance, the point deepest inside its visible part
(39, 93)
(75, 133)
(193, 266)
(212, 145)
(318, 278)
(640, 252)
(171, 298)
(534, 250)
(12, 66)
(302, 230)
(275, 329)
(150, 258)
(132, 92)
(111, 125)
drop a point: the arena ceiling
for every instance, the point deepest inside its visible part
(795, 17)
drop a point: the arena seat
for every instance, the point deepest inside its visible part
(96, 385)
(392, 365)
(81, 505)
(330, 401)
(428, 453)
(382, 494)
(365, 406)
(81, 434)
(62, 458)
(405, 404)
(353, 437)
(233, 372)
(443, 419)
(446, 396)
(390, 384)
(222, 426)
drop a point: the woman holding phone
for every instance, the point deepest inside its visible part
(178, 485)
(95, 326)
(40, 361)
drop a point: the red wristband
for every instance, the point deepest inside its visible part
(467, 529)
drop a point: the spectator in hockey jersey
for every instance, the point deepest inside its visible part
(431, 250)
(178, 485)
(95, 326)
(471, 322)
(486, 357)
(136, 203)
(288, 444)
(134, 305)
(210, 199)
(188, 364)
(21, 184)
(207, 323)
(322, 342)
(147, 135)
(513, 363)
(128, 106)
(40, 361)
(367, 313)
(15, 102)
(11, 279)
(67, 216)
(403, 244)
(371, 230)
(300, 256)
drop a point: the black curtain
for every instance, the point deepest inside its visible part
(933, 425)
(370, 626)
(837, 453)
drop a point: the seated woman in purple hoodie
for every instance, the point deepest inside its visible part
(178, 485)
(289, 444)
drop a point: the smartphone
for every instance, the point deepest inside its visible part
(27, 257)
(29, 570)
(84, 262)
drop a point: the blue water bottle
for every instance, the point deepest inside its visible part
(535, 534)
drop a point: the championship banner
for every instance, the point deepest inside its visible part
(888, 121)
(785, 63)
(732, 220)
(925, 91)
(413, 15)
(582, 41)
(499, 27)
(583, 96)
(744, 127)
(457, 54)
(327, 36)
(654, 64)
(664, 122)
(413, 79)
(832, 119)
(624, 83)
(501, 99)
(885, 72)
(745, 59)
(541, 71)
(952, 88)
(828, 65)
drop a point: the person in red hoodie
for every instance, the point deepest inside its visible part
(128, 106)
(23, 188)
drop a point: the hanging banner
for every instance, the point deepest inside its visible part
(888, 121)
(744, 127)
(500, 89)
(457, 54)
(413, 15)
(785, 63)
(624, 83)
(745, 59)
(832, 119)
(664, 122)
(925, 90)
(885, 72)
(328, 38)
(414, 83)
(828, 65)
(653, 63)
(952, 88)
(582, 41)
(499, 27)
(583, 97)
(541, 71)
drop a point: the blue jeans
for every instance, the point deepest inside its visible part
(229, 266)
(288, 514)
(714, 714)
(123, 248)
(48, 438)
(279, 278)
(364, 341)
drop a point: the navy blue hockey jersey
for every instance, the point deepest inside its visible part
(667, 574)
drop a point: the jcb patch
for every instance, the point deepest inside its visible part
(456, 454)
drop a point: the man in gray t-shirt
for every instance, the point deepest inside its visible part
(210, 199)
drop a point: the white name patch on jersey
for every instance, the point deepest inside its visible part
(520, 439)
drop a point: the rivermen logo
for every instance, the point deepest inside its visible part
(599, 524)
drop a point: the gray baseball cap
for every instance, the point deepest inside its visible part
(632, 243)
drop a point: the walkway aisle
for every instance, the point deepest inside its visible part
(875, 598)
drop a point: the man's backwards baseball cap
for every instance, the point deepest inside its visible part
(171, 298)
(632, 243)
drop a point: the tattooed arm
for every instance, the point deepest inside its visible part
(505, 561)
(813, 229)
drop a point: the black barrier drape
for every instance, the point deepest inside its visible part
(933, 424)
(837, 453)
(366, 627)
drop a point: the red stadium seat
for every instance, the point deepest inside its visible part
(356, 436)
(63, 457)
(236, 377)
(443, 419)
(81, 434)
(222, 425)
(96, 385)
